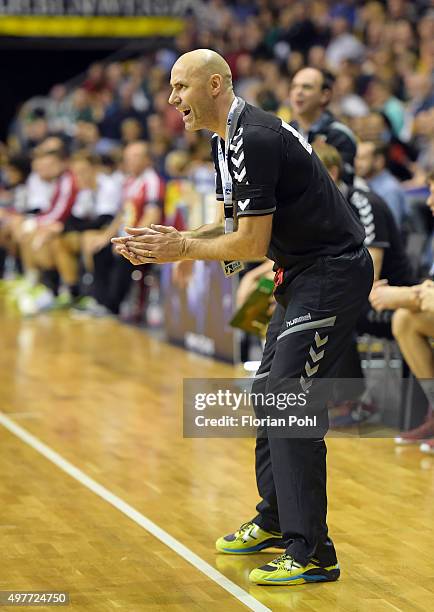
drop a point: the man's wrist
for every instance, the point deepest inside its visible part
(185, 247)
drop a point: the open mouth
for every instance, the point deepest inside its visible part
(186, 112)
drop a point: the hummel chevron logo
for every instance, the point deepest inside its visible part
(240, 176)
(366, 210)
(370, 229)
(236, 148)
(310, 371)
(368, 219)
(305, 384)
(239, 161)
(237, 135)
(315, 356)
(244, 204)
(320, 341)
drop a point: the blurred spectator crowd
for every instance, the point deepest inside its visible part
(96, 155)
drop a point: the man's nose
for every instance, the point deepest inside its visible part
(172, 98)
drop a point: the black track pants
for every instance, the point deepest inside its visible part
(311, 326)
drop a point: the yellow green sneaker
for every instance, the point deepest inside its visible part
(249, 538)
(286, 570)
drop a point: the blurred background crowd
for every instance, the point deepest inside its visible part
(111, 131)
(381, 54)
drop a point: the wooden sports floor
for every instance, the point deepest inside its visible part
(105, 400)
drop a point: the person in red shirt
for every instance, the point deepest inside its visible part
(142, 197)
(36, 232)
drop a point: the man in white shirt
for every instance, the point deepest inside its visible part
(97, 204)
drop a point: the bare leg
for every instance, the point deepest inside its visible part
(65, 251)
(412, 331)
(27, 252)
(44, 256)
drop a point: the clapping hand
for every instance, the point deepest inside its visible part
(155, 244)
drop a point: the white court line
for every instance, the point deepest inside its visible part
(184, 552)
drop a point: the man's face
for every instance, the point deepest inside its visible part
(373, 128)
(306, 95)
(131, 130)
(86, 132)
(49, 167)
(364, 160)
(84, 173)
(135, 159)
(12, 175)
(190, 96)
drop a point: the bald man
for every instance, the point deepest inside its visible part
(310, 95)
(279, 199)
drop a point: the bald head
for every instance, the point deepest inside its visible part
(204, 63)
(313, 75)
(201, 82)
(310, 94)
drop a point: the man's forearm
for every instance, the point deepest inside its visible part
(225, 247)
(406, 297)
(210, 230)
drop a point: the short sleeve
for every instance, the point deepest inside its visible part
(255, 159)
(373, 218)
(109, 197)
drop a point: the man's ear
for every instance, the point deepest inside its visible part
(216, 84)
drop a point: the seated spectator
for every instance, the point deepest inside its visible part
(298, 29)
(423, 135)
(142, 197)
(386, 248)
(413, 326)
(95, 79)
(420, 90)
(131, 130)
(118, 111)
(86, 136)
(380, 97)
(344, 45)
(377, 128)
(15, 172)
(57, 108)
(310, 95)
(371, 166)
(35, 130)
(40, 186)
(346, 102)
(34, 233)
(81, 109)
(97, 203)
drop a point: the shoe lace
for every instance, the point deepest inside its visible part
(286, 562)
(245, 531)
